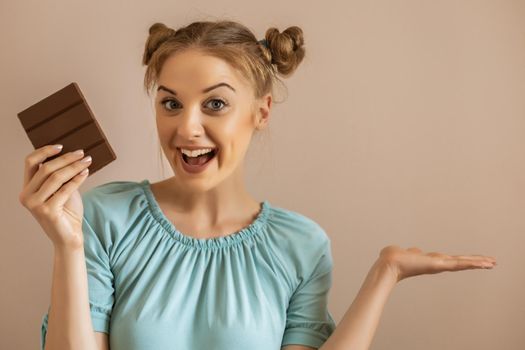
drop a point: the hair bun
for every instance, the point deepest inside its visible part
(286, 48)
(261, 62)
(158, 27)
(158, 34)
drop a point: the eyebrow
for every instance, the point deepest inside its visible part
(162, 87)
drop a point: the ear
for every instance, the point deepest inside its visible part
(262, 111)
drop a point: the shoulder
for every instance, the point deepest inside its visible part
(109, 210)
(111, 194)
(113, 203)
(103, 191)
(297, 227)
(300, 242)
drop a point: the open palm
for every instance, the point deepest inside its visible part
(412, 261)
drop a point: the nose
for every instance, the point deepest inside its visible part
(190, 124)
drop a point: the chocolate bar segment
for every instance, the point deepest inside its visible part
(64, 117)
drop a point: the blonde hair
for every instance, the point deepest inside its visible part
(233, 42)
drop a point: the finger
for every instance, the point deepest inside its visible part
(35, 158)
(456, 264)
(476, 257)
(473, 258)
(60, 178)
(64, 193)
(48, 169)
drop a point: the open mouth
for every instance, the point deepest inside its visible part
(199, 160)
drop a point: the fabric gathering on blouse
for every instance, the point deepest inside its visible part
(153, 287)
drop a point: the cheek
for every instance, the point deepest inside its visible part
(164, 130)
(163, 138)
(166, 145)
(235, 145)
(237, 130)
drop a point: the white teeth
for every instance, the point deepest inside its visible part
(196, 152)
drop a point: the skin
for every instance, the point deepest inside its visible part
(215, 200)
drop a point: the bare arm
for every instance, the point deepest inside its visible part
(358, 325)
(50, 193)
(69, 319)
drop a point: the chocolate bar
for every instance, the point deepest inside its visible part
(64, 117)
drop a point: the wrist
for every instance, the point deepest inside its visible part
(386, 269)
(73, 242)
(68, 249)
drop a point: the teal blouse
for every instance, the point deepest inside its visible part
(153, 287)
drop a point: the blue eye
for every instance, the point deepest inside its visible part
(166, 101)
(218, 100)
(163, 103)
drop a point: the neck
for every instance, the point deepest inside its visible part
(229, 201)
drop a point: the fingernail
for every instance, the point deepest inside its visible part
(58, 146)
(79, 152)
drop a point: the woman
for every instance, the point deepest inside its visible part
(193, 261)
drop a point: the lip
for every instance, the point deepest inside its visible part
(196, 147)
(192, 170)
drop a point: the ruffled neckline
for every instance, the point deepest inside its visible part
(215, 242)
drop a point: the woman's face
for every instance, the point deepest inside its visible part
(202, 101)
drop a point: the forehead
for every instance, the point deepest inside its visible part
(191, 71)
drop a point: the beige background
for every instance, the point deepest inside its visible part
(404, 125)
